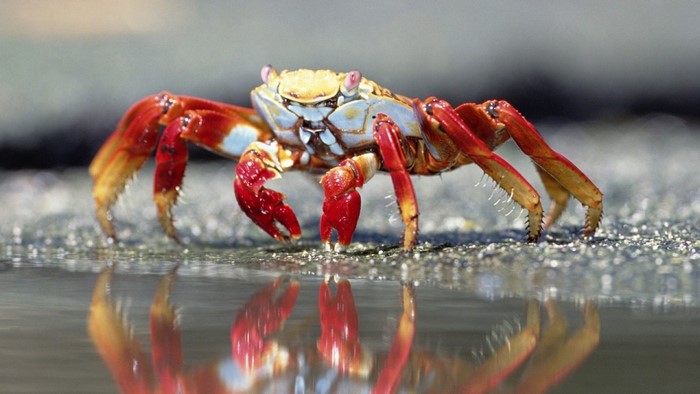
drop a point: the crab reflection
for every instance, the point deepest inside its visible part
(531, 360)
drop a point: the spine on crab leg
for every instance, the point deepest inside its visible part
(264, 314)
(390, 375)
(122, 155)
(165, 338)
(115, 342)
(507, 177)
(560, 168)
(557, 356)
(388, 137)
(342, 203)
(508, 357)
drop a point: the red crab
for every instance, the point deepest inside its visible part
(344, 125)
(338, 362)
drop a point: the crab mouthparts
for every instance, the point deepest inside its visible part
(313, 126)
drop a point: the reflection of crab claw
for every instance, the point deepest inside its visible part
(264, 206)
(264, 314)
(339, 344)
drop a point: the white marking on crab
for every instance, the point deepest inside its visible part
(327, 137)
(305, 135)
(312, 114)
(305, 158)
(238, 139)
(356, 118)
(288, 137)
(337, 149)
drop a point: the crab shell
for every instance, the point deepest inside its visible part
(327, 113)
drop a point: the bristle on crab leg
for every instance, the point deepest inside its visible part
(126, 150)
(507, 358)
(507, 177)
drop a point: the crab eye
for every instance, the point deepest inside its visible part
(352, 81)
(265, 73)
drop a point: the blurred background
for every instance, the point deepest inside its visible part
(69, 69)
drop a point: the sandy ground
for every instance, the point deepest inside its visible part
(646, 249)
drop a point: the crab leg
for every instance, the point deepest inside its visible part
(388, 137)
(390, 375)
(557, 355)
(507, 177)
(205, 128)
(559, 175)
(264, 314)
(119, 349)
(509, 357)
(341, 205)
(165, 337)
(222, 128)
(265, 207)
(122, 155)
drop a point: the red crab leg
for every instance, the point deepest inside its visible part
(219, 127)
(508, 358)
(205, 128)
(341, 205)
(507, 177)
(339, 344)
(122, 155)
(264, 314)
(258, 164)
(390, 376)
(557, 356)
(114, 341)
(388, 137)
(165, 338)
(560, 176)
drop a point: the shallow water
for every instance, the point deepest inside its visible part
(471, 271)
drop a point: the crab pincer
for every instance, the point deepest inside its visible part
(264, 206)
(264, 314)
(339, 343)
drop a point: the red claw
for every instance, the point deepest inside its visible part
(264, 314)
(264, 206)
(339, 344)
(342, 203)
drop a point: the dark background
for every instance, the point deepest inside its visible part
(69, 69)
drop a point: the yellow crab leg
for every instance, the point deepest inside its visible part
(114, 341)
(558, 355)
(508, 358)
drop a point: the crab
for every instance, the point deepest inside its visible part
(261, 361)
(344, 126)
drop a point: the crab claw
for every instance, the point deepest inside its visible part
(264, 206)
(342, 204)
(339, 344)
(264, 314)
